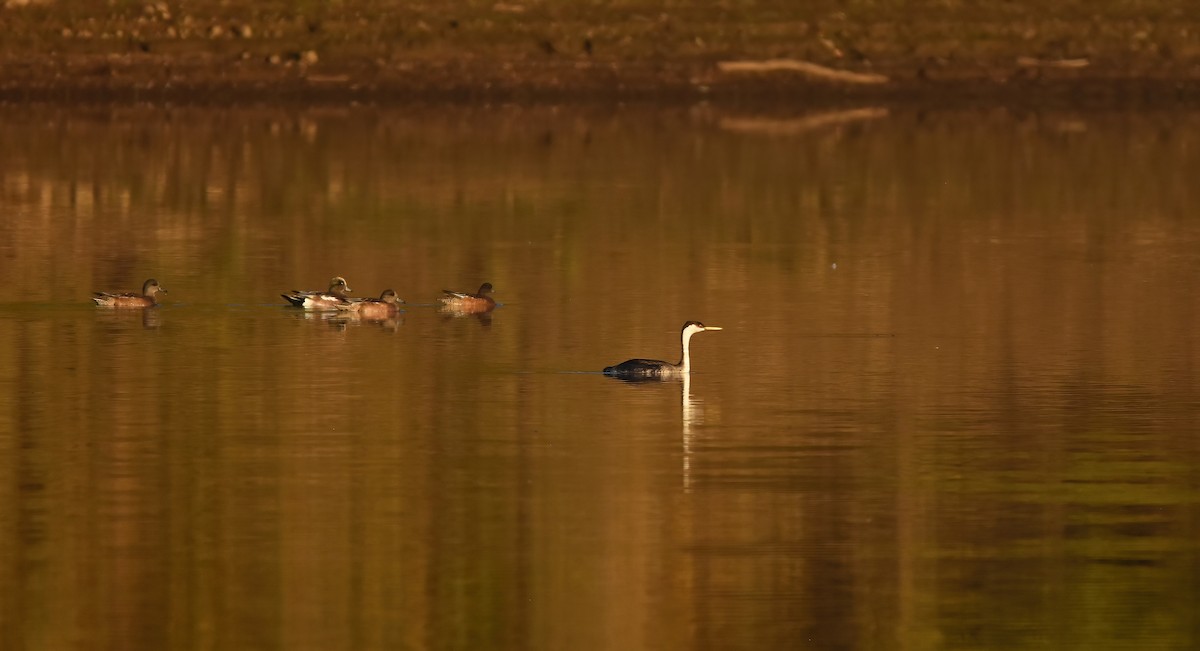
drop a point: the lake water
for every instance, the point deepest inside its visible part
(955, 403)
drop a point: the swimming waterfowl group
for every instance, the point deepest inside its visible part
(337, 298)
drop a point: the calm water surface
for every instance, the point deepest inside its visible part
(955, 403)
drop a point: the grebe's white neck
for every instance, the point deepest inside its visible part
(691, 328)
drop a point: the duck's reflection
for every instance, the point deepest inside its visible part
(150, 317)
(484, 318)
(331, 319)
(390, 323)
(341, 321)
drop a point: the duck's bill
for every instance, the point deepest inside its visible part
(713, 328)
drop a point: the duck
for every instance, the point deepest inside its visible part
(316, 300)
(387, 305)
(656, 369)
(148, 297)
(463, 303)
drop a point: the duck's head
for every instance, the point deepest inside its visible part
(151, 287)
(338, 286)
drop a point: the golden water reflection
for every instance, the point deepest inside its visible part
(954, 403)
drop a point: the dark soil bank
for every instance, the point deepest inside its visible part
(820, 50)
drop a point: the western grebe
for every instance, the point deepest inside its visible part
(655, 369)
(147, 298)
(388, 304)
(464, 303)
(314, 300)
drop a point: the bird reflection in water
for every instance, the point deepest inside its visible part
(150, 318)
(462, 304)
(691, 414)
(484, 318)
(654, 370)
(391, 323)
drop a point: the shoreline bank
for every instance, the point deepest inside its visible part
(1109, 52)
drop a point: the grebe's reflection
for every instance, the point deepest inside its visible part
(690, 414)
